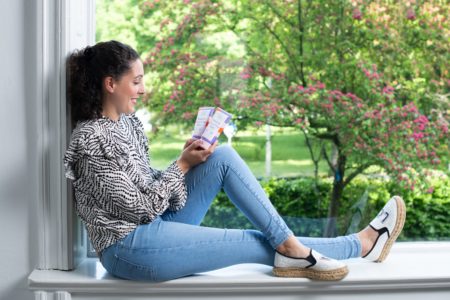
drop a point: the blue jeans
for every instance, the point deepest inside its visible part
(175, 245)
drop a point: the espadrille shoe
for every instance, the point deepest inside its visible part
(315, 266)
(388, 223)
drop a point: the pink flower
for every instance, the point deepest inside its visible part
(245, 76)
(411, 108)
(320, 85)
(168, 107)
(388, 90)
(436, 161)
(422, 122)
(246, 73)
(411, 14)
(417, 136)
(357, 15)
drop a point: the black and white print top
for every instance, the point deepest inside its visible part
(115, 187)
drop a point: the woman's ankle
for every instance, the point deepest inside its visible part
(367, 238)
(292, 247)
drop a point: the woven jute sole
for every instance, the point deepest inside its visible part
(336, 274)
(401, 216)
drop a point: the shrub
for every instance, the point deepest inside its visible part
(304, 206)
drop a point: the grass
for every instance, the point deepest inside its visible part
(290, 156)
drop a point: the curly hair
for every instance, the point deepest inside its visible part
(86, 69)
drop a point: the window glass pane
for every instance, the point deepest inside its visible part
(338, 105)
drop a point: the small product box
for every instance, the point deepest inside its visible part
(215, 127)
(203, 117)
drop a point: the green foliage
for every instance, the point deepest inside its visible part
(428, 211)
(290, 157)
(342, 71)
(368, 80)
(304, 207)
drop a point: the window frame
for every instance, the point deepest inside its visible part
(61, 27)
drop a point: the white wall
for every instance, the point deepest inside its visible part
(18, 158)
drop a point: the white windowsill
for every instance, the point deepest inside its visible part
(410, 266)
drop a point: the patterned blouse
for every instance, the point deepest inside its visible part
(115, 187)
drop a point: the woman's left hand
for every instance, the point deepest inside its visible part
(188, 142)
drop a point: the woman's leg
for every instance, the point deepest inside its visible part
(164, 250)
(225, 168)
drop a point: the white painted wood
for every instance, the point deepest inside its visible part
(62, 295)
(62, 25)
(42, 295)
(59, 295)
(411, 270)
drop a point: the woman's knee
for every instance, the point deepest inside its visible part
(225, 153)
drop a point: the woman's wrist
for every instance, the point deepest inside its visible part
(182, 165)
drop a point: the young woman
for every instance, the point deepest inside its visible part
(144, 223)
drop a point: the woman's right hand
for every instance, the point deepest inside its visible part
(193, 154)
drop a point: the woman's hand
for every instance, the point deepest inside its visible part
(193, 154)
(188, 142)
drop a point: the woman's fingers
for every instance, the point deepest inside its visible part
(207, 152)
(194, 144)
(213, 146)
(195, 149)
(188, 142)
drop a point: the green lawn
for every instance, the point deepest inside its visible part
(290, 156)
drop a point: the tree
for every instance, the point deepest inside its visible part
(364, 79)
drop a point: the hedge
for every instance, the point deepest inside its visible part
(303, 205)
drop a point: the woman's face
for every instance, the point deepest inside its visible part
(122, 94)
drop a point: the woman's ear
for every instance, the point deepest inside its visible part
(109, 84)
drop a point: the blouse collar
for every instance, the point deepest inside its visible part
(109, 120)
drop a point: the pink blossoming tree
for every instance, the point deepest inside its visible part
(366, 81)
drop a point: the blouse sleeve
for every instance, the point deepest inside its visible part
(178, 200)
(102, 173)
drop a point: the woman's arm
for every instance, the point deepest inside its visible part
(137, 202)
(177, 201)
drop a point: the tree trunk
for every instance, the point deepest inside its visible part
(336, 195)
(333, 157)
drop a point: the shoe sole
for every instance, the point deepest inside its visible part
(401, 216)
(336, 274)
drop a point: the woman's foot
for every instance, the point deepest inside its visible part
(292, 247)
(314, 266)
(378, 238)
(292, 259)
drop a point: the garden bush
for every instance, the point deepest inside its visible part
(304, 205)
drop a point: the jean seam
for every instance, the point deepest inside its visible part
(188, 245)
(115, 259)
(147, 269)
